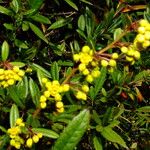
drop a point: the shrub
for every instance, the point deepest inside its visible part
(74, 74)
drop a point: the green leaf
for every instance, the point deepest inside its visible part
(112, 136)
(14, 115)
(38, 67)
(34, 90)
(80, 32)
(25, 26)
(35, 4)
(81, 23)
(22, 88)
(33, 121)
(9, 26)
(30, 12)
(99, 81)
(117, 33)
(19, 64)
(97, 143)
(14, 95)
(142, 75)
(5, 11)
(73, 132)
(21, 44)
(5, 51)
(16, 5)
(46, 132)
(38, 32)
(55, 71)
(40, 18)
(59, 23)
(144, 109)
(3, 129)
(72, 4)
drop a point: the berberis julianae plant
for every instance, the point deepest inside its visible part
(74, 75)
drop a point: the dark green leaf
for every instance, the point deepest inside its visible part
(99, 81)
(14, 115)
(35, 4)
(112, 136)
(73, 132)
(59, 23)
(46, 132)
(37, 67)
(55, 71)
(22, 88)
(14, 95)
(40, 18)
(34, 90)
(38, 32)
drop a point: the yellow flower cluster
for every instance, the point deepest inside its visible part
(110, 63)
(82, 94)
(53, 90)
(34, 139)
(143, 37)
(9, 77)
(14, 132)
(141, 41)
(88, 66)
(131, 52)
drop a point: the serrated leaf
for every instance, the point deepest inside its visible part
(38, 32)
(55, 71)
(14, 95)
(59, 23)
(46, 132)
(5, 11)
(4, 51)
(40, 18)
(14, 115)
(72, 4)
(19, 64)
(73, 132)
(112, 136)
(81, 22)
(97, 143)
(34, 90)
(38, 67)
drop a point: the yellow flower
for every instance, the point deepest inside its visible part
(59, 104)
(35, 139)
(29, 142)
